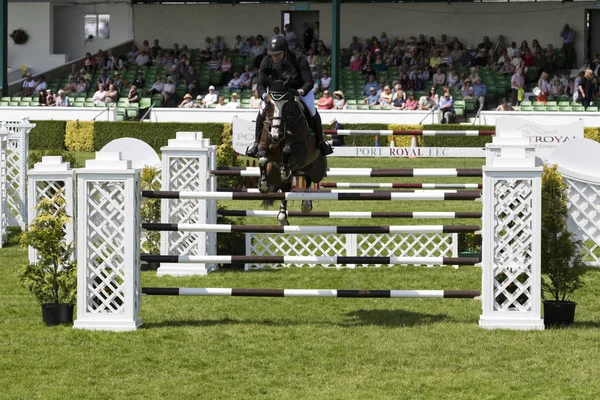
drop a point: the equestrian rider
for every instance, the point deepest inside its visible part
(303, 84)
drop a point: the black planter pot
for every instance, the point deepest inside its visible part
(558, 313)
(57, 313)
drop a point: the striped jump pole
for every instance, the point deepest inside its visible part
(342, 293)
(365, 172)
(255, 190)
(351, 214)
(311, 260)
(360, 132)
(391, 196)
(292, 229)
(369, 185)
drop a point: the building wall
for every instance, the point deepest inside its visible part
(36, 19)
(189, 24)
(69, 28)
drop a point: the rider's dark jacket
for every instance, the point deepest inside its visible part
(303, 79)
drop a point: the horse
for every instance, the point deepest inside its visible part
(287, 145)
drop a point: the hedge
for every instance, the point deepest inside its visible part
(47, 135)
(457, 141)
(155, 134)
(79, 136)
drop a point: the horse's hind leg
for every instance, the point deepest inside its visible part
(282, 215)
(307, 204)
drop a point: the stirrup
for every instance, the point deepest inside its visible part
(325, 148)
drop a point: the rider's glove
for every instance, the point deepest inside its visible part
(264, 96)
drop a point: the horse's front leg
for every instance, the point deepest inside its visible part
(263, 185)
(307, 204)
(286, 173)
(282, 215)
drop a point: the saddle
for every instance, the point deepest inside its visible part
(307, 117)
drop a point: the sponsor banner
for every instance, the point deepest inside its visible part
(545, 138)
(243, 134)
(399, 152)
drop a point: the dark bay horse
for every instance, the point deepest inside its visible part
(287, 145)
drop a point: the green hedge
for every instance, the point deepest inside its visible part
(47, 135)
(155, 134)
(456, 141)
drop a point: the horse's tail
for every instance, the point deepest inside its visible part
(269, 203)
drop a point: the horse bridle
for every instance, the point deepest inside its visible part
(286, 123)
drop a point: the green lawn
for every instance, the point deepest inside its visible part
(285, 348)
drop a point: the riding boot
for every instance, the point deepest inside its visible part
(252, 151)
(324, 147)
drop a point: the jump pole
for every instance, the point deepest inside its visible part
(365, 172)
(352, 214)
(360, 132)
(329, 293)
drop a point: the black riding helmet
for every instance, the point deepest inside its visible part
(277, 45)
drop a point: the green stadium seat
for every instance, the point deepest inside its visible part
(579, 108)
(4, 103)
(564, 104)
(13, 103)
(539, 108)
(552, 108)
(145, 102)
(551, 104)
(592, 109)
(526, 108)
(565, 109)
(526, 103)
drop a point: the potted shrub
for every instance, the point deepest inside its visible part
(471, 245)
(562, 262)
(53, 278)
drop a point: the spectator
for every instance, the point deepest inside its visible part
(556, 86)
(439, 78)
(132, 54)
(355, 45)
(500, 45)
(215, 63)
(234, 102)
(237, 46)
(156, 48)
(246, 49)
(258, 49)
(595, 87)
(379, 63)
(210, 97)
(89, 63)
(447, 109)
(373, 98)
(82, 87)
(504, 106)
(339, 101)
(426, 102)
(433, 95)
(434, 59)
(119, 82)
(62, 100)
(467, 90)
(255, 100)
(198, 103)
(528, 58)
(474, 74)
(486, 44)
(446, 60)
(452, 77)
(308, 36)
(172, 67)
(516, 60)
(185, 52)
(139, 81)
(158, 85)
(218, 44)
(28, 85)
(404, 82)
(187, 101)
(168, 91)
(325, 102)
(111, 95)
(51, 99)
(466, 60)
(116, 64)
(370, 84)
(337, 140)
(506, 69)
(570, 89)
(568, 37)
(42, 98)
(517, 82)
(479, 92)
(133, 97)
(456, 52)
(544, 88)
(550, 60)
(71, 86)
(189, 79)
(385, 98)
(235, 82)
(99, 95)
(325, 80)
(103, 78)
(290, 36)
(482, 58)
(100, 59)
(226, 68)
(398, 92)
(159, 60)
(399, 103)
(221, 103)
(411, 103)
(146, 47)
(142, 59)
(585, 88)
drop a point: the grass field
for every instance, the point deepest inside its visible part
(285, 348)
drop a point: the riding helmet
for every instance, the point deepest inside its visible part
(277, 45)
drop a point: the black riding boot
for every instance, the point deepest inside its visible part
(324, 147)
(252, 151)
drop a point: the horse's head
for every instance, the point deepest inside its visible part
(282, 97)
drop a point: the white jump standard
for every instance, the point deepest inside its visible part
(339, 293)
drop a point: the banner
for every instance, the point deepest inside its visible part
(545, 138)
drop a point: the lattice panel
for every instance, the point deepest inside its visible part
(405, 245)
(3, 200)
(17, 148)
(512, 268)
(262, 244)
(373, 245)
(106, 232)
(184, 176)
(584, 214)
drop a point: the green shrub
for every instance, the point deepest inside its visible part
(366, 140)
(35, 156)
(155, 134)
(47, 135)
(457, 141)
(79, 136)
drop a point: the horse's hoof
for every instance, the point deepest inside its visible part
(286, 176)
(284, 223)
(263, 187)
(282, 218)
(306, 206)
(262, 161)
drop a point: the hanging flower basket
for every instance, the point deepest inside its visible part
(19, 36)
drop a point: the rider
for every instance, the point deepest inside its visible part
(303, 84)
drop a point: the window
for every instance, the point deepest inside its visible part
(96, 26)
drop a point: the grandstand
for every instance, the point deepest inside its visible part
(133, 23)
